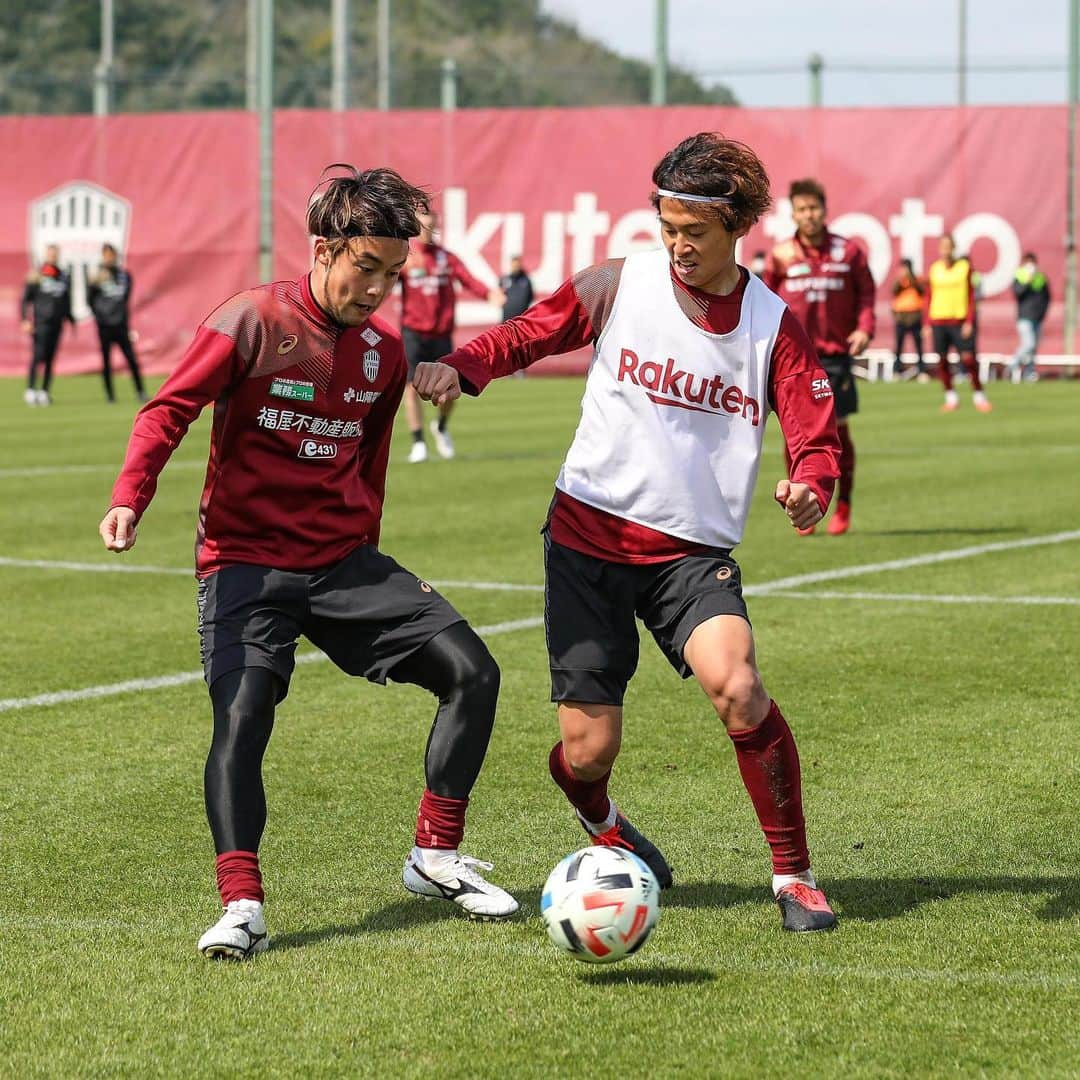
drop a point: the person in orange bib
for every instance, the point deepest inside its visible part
(909, 299)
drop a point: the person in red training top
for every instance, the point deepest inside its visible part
(950, 303)
(691, 352)
(305, 382)
(428, 303)
(825, 280)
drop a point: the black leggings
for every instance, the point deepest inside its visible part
(45, 342)
(119, 336)
(902, 332)
(455, 666)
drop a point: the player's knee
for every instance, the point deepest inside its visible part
(590, 755)
(479, 679)
(736, 693)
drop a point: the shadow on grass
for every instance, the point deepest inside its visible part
(874, 899)
(860, 899)
(646, 976)
(400, 915)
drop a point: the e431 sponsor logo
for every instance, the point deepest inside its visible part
(312, 449)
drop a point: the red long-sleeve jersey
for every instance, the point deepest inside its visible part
(303, 411)
(828, 288)
(575, 316)
(428, 296)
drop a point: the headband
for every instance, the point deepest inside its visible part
(683, 196)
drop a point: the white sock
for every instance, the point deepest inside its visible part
(979, 397)
(436, 857)
(780, 881)
(607, 823)
(952, 397)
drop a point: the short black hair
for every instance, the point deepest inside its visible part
(372, 202)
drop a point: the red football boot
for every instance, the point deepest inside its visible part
(841, 519)
(805, 909)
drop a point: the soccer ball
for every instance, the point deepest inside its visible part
(600, 904)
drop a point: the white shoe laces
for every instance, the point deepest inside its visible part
(467, 867)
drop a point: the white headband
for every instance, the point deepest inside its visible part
(683, 196)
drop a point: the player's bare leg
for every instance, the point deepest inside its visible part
(414, 417)
(581, 764)
(720, 652)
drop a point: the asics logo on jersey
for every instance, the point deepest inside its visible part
(287, 344)
(668, 384)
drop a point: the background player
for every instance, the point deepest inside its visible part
(825, 280)
(428, 305)
(46, 303)
(950, 303)
(109, 295)
(690, 352)
(305, 383)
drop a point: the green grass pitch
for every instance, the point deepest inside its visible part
(938, 736)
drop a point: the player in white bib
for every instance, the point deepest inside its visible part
(691, 352)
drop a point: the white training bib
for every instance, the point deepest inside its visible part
(673, 416)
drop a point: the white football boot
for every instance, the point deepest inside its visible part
(418, 453)
(30, 397)
(238, 934)
(43, 398)
(443, 443)
(436, 873)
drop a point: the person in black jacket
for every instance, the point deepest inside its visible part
(518, 289)
(1032, 292)
(108, 293)
(46, 303)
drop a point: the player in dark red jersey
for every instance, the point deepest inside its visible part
(305, 382)
(690, 353)
(826, 282)
(428, 305)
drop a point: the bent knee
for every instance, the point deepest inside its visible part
(738, 693)
(590, 757)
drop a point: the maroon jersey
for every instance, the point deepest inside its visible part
(303, 411)
(428, 296)
(828, 288)
(575, 316)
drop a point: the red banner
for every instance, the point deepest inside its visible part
(178, 193)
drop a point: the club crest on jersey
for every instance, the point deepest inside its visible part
(293, 389)
(371, 365)
(79, 217)
(667, 384)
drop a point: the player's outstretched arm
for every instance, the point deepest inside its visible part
(437, 383)
(799, 503)
(118, 528)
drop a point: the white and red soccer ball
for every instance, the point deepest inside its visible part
(600, 904)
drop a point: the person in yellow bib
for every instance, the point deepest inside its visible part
(951, 306)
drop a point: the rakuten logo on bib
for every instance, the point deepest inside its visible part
(668, 384)
(309, 448)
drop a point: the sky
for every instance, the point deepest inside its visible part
(759, 49)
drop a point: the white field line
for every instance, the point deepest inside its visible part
(923, 598)
(61, 697)
(781, 586)
(906, 564)
(75, 470)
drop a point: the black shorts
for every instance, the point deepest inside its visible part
(845, 396)
(424, 349)
(590, 606)
(365, 612)
(950, 334)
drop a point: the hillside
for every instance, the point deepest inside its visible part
(192, 56)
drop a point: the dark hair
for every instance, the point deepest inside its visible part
(906, 263)
(1030, 255)
(709, 164)
(375, 202)
(807, 186)
(108, 247)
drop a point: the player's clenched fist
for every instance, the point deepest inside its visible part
(118, 528)
(799, 502)
(437, 383)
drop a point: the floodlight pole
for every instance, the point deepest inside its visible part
(815, 63)
(103, 70)
(1070, 178)
(961, 52)
(448, 94)
(660, 54)
(251, 58)
(339, 95)
(266, 139)
(382, 59)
